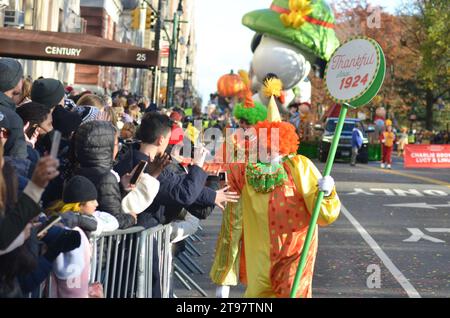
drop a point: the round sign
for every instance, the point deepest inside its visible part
(355, 72)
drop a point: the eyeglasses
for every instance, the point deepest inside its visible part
(4, 132)
(45, 130)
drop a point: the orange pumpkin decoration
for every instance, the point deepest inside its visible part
(230, 85)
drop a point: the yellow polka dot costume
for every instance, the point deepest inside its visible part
(275, 223)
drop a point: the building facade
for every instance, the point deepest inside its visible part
(51, 15)
(186, 77)
(134, 22)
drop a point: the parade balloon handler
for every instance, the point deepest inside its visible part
(291, 38)
(387, 140)
(227, 270)
(277, 199)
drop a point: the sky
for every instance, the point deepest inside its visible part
(223, 43)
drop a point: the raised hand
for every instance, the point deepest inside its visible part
(158, 164)
(46, 170)
(223, 197)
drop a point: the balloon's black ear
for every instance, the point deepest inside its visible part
(319, 67)
(255, 41)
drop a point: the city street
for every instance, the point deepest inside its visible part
(391, 240)
(118, 117)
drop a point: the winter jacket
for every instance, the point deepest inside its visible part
(71, 271)
(176, 191)
(13, 223)
(15, 146)
(203, 207)
(94, 146)
(142, 196)
(22, 168)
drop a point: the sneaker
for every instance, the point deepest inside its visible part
(389, 167)
(382, 166)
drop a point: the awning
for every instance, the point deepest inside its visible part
(73, 48)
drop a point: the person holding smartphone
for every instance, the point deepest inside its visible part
(176, 191)
(96, 146)
(37, 120)
(16, 215)
(10, 225)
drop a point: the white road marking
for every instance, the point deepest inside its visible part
(417, 235)
(398, 275)
(420, 205)
(397, 192)
(437, 230)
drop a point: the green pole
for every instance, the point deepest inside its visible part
(315, 214)
(170, 70)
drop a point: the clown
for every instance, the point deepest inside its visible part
(292, 35)
(277, 197)
(225, 271)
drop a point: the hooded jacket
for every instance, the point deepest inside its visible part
(15, 146)
(176, 191)
(94, 147)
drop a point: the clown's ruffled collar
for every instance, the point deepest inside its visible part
(265, 177)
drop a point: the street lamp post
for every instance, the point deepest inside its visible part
(172, 55)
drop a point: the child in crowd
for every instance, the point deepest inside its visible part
(80, 199)
(71, 270)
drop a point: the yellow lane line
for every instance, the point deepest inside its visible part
(412, 176)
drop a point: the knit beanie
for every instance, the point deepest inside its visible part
(79, 189)
(65, 121)
(87, 113)
(47, 91)
(11, 72)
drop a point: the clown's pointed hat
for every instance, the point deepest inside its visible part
(272, 88)
(288, 138)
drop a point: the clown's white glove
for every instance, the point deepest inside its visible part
(326, 184)
(222, 291)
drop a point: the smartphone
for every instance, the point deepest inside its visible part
(137, 173)
(55, 144)
(30, 131)
(48, 224)
(223, 177)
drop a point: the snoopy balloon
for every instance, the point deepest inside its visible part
(292, 35)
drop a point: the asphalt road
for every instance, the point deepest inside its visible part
(392, 238)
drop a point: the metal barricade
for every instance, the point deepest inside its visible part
(185, 259)
(123, 262)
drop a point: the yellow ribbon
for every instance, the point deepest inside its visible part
(299, 10)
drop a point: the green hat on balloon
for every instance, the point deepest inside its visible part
(308, 25)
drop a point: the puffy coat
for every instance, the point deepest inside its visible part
(15, 146)
(94, 147)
